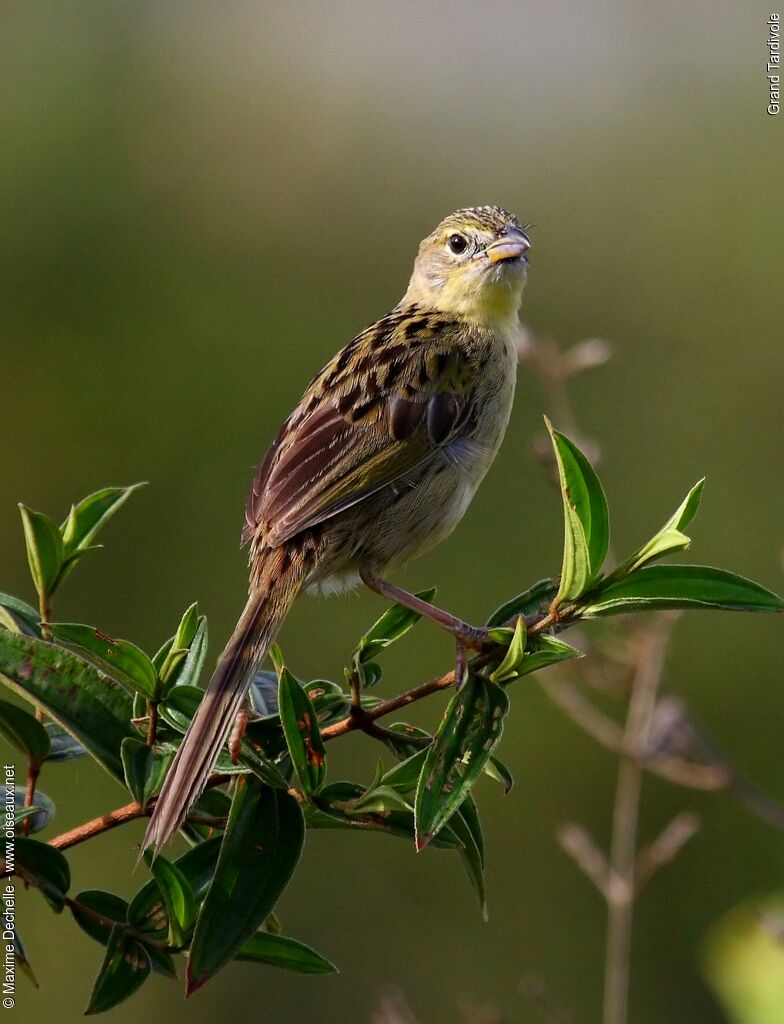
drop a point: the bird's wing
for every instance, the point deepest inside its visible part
(367, 420)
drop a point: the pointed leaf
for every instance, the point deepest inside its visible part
(548, 651)
(44, 549)
(498, 771)
(669, 538)
(44, 866)
(24, 731)
(465, 825)
(121, 658)
(466, 737)
(393, 624)
(403, 777)
(125, 968)
(178, 899)
(281, 951)
(94, 708)
(586, 518)
(379, 800)
(261, 848)
(515, 652)
(145, 768)
(535, 600)
(148, 911)
(300, 725)
(180, 660)
(91, 514)
(25, 618)
(681, 586)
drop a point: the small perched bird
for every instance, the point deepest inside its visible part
(377, 463)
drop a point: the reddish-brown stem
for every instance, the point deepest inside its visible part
(33, 771)
(362, 720)
(152, 724)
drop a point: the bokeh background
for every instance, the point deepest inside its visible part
(200, 203)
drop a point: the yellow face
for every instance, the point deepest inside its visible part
(474, 264)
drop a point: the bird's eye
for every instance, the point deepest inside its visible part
(457, 244)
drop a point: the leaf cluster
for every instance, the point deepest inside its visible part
(105, 698)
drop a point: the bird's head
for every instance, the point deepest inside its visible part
(474, 264)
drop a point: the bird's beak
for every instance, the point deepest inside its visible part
(511, 246)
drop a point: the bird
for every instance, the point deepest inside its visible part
(377, 463)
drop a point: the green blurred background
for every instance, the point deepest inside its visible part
(200, 203)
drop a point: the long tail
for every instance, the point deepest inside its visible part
(279, 579)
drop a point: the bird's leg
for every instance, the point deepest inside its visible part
(466, 636)
(238, 731)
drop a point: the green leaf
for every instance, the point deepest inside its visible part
(586, 518)
(547, 651)
(91, 515)
(497, 770)
(197, 866)
(44, 550)
(122, 659)
(180, 705)
(41, 813)
(535, 600)
(145, 768)
(125, 968)
(465, 825)
(680, 586)
(63, 747)
(515, 652)
(393, 624)
(23, 617)
(178, 899)
(403, 777)
(23, 731)
(300, 725)
(327, 813)
(412, 739)
(44, 866)
(91, 706)
(379, 800)
(96, 912)
(466, 737)
(261, 848)
(281, 951)
(180, 660)
(669, 538)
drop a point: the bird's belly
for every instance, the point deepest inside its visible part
(401, 521)
(382, 532)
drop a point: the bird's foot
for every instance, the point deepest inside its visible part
(238, 732)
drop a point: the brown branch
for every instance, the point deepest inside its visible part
(104, 823)
(621, 888)
(606, 732)
(664, 848)
(579, 845)
(33, 771)
(119, 816)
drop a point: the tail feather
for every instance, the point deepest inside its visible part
(256, 630)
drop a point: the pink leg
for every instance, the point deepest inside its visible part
(466, 636)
